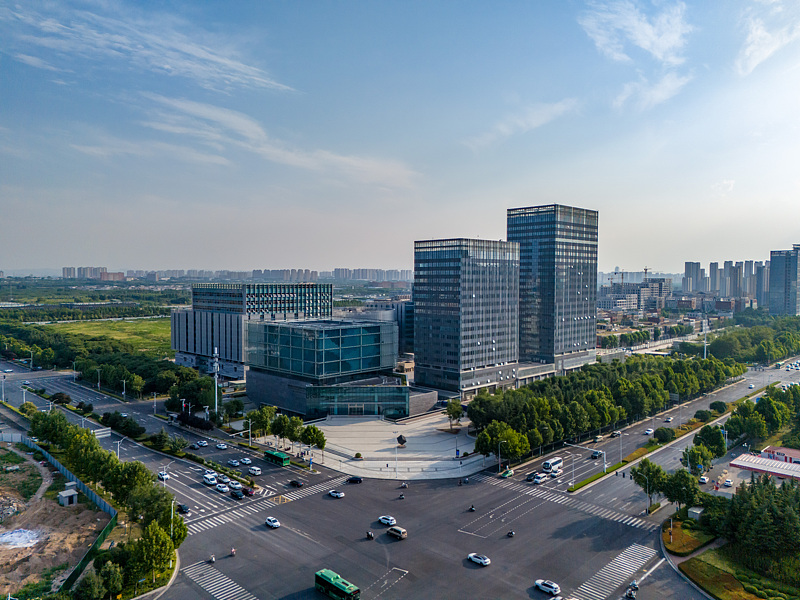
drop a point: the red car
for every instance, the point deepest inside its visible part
(249, 491)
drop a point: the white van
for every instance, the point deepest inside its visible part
(553, 464)
(254, 470)
(209, 479)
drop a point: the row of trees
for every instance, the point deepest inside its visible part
(772, 412)
(595, 397)
(625, 339)
(264, 421)
(64, 313)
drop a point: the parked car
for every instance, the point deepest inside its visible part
(193, 447)
(221, 487)
(548, 586)
(249, 491)
(235, 485)
(479, 558)
(728, 483)
(703, 479)
(224, 478)
(237, 494)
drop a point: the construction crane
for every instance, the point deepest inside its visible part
(646, 269)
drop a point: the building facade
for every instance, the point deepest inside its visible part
(466, 314)
(783, 282)
(558, 283)
(219, 313)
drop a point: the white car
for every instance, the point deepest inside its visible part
(233, 462)
(648, 431)
(752, 386)
(202, 443)
(210, 472)
(222, 446)
(235, 485)
(272, 522)
(224, 478)
(245, 461)
(336, 494)
(8, 370)
(163, 476)
(221, 487)
(548, 586)
(479, 558)
(387, 520)
(703, 479)
(668, 420)
(556, 473)
(728, 483)
(540, 478)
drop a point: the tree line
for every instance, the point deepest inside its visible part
(595, 397)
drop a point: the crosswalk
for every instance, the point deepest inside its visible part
(215, 583)
(615, 574)
(574, 503)
(256, 506)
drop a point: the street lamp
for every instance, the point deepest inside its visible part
(123, 389)
(98, 378)
(74, 373)
(165, 484)
(118, 444)
(499, 461)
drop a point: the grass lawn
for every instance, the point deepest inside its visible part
(714, 580)
(146, 335)
(684, 541)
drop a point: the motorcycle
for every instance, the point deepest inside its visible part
(233, 551)
(370, 535)
(212, 559)
(466, 479)
(404, 485)
(471, 508)
(630, 593)
(402, 496)
(634, 585)
(511, 533)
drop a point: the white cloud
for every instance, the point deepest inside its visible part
(765, 39)
(125, 40)
(35, 61)
(108, 147)
(724, 187)
(618, 24)
(529, 119)
(645, 95)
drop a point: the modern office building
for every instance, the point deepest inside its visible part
(466, 314)
(558, 284)
(783, 282)
(338, 367)
(220, 310)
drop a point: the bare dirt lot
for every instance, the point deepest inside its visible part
(62, 534)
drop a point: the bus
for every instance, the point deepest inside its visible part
(278, 458)
(553, 464)
(333, 586)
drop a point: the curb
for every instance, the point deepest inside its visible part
(164, 588)
(675, 567)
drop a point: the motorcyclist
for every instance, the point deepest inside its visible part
(402, 496)
(472, 508)
(233, 551)
(212, 559)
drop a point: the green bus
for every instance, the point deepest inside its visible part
(278, 458)
(333, 586)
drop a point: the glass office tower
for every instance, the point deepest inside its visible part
(466, 313)
(784, 276)
(558, 283)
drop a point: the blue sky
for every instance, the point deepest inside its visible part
(241, 135)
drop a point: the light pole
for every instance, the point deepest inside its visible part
(74, 373)
(572, 481)
(499, 461)
(31, 360)
(98, 378)
(395, 456)
(171, 519)
(4, 388)
(154, 403)
(118, 444)
(647, 491)
(216, 380)
(123, 389)
(165, 485)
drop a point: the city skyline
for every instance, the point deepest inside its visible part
(157, 134)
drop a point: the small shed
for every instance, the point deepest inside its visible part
(695, 512)
(68, 497)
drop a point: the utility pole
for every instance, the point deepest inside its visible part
(74, 373)
(123, 389)
(98, 379)
(216, 380)
(499, 462)
(154, 403)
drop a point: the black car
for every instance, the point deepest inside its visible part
(237, 494)
(295, 483)
(183, 509)
(194, 447)
(531, 476)
(597, 454)
(355, 479)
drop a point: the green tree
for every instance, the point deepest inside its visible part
(155, 548)
(294, 430)
(178, 529)
(280, 426)
(697, 459)
(90, 587)
(454, 411)
(718, 406)
(112, 578)
(664, 435)
(177, 443)
(28, 408)
(650, 477)
(149, 502)
(681, 487)
(713, 439)
(160, 439)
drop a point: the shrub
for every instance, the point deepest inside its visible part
(358, 454)
(719, 406)
(664, 435)
(703, 415)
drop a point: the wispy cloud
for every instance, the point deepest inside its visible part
(723, 188)
(104, 146)
(768, 32)
(615, 26)
(522, 122)
(221, 128)
(644, 95)
(124, 39)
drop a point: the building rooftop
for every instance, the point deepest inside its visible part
(760, 464)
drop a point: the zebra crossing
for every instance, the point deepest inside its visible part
(256, 506)
(570, 502)
(615, 574)
(215, 583)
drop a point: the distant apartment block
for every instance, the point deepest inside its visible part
(742, 279)
(558, 283)
(783, 282)
(68, 273)
(219, 313)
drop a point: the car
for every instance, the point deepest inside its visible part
(224, 478)
(233, 462)
(295, 483)
(249, 492)
(235, 485)
(193, 447)
(597, 454)
(387, 520)
(163, 475)
(728, 483)
(26, 382)
(202, 443)
(222, 446)
(507, 473)
(668, 420)
(245, 461)
(237, 494)
(210, 472)
(336, 494)
(272, 522)
(540, 478)
(648, 431)
(598, 438)
(355, 479)
(703, 479)
(532, 476)
(124, 415)
(8, 370)
(221, 487)
(555, 473)
(616, 434)
(752, 386)
(548, 586)
(479, 558)
(183, 509)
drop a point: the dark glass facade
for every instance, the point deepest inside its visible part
(466, 310)
(306, 300)
(784, 277)
(390, 401)
(558, 280)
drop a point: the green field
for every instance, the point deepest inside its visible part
(146, 335)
